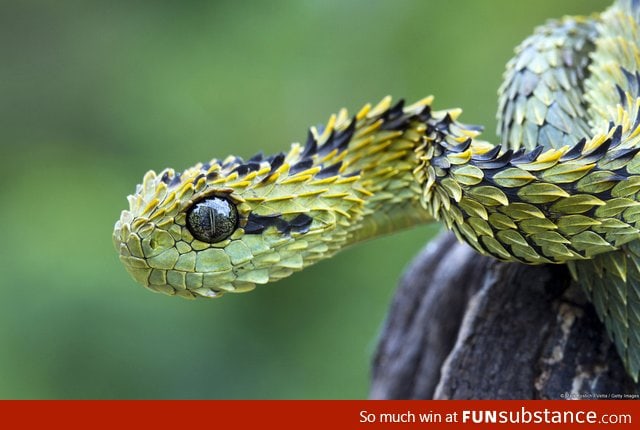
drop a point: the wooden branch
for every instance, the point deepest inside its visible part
(464, 326)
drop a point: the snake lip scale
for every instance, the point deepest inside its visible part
(561, 187)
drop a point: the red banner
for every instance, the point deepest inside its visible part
(292, 414)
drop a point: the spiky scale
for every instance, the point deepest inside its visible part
(541, 193)
(513, 178)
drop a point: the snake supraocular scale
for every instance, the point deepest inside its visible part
(562, 188)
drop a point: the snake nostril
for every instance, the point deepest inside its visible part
(212, 219)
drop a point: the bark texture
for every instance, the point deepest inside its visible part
(464, 326)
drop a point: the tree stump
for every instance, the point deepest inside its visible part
(464, 326)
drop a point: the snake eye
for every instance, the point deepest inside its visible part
(212, 220)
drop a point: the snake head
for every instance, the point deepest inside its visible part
(227, 226)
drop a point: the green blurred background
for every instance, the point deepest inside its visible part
(93, 94)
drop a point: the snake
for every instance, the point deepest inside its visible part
(561, 186)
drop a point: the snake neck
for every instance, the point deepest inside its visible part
(382, 154)
(401, 157)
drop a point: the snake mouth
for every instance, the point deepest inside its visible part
(155, 259)
(157, 274)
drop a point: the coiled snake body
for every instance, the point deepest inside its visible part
(563, 187)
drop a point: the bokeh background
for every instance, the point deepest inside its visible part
(93, 94)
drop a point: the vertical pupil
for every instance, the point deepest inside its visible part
(212, 220)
